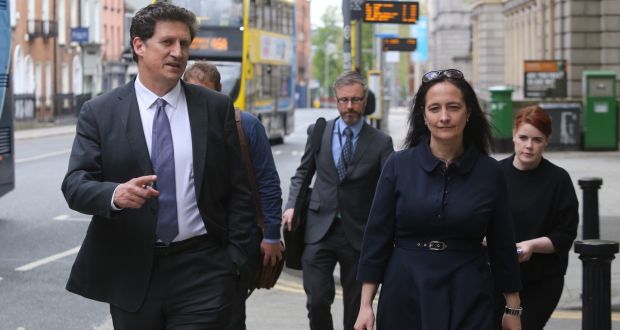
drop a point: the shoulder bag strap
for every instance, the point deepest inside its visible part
(245, 153)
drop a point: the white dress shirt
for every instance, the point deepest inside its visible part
(190, 221)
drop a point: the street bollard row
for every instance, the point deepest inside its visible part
(596, 256)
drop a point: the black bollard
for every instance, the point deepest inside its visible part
(596, 256)
(590, 187)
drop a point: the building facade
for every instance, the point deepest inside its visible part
(113, 21)
(59, 51)
(583, 33)
(303, 52)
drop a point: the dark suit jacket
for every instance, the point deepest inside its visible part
(353, 196)
(114, 262)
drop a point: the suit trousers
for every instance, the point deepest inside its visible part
(191, 289)
(319, 260)
(248, 273)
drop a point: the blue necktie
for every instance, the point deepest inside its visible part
(162, 158)
(345, 156)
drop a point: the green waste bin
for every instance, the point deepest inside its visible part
(600, 111)
(501, 117)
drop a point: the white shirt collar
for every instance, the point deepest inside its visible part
(148, 97)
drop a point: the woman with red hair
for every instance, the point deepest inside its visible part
(544, 210)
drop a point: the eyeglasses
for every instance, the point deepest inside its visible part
(450, 74)
(353, 100)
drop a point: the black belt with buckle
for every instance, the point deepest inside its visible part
(177, 247)
(437, 245)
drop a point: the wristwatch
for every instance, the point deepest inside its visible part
(513, 311)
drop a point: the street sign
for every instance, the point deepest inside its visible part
(79, 35)
(397, 12)
(399, 44)
(544, 79)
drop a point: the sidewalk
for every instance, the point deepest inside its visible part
(32, 133)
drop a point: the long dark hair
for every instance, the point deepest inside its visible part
(477, 130)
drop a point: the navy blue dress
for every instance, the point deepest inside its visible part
(418, 201)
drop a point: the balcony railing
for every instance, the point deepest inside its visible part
(41, 28)
(35, 28)
(24, 106)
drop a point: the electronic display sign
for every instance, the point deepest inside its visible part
(394, 12)
(399, 44)
(220, 42)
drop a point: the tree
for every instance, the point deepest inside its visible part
(325, 40)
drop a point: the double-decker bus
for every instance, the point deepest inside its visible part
(7, 161)
(252, 43)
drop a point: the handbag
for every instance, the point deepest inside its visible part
(294, 239)
(265, 277)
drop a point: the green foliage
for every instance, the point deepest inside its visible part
(327, 46)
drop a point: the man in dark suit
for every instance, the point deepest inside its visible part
(348, 166)
(157, 164)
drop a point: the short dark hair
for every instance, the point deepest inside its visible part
(349, 78)
(144, 21)
(477, 130)
(203, 72)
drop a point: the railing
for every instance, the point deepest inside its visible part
(50, 29)
(41, 28)
(35, 28)
(64, 105)
(24, 106)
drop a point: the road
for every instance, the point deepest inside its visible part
(40, 235)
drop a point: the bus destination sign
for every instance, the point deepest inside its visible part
(394, 12)
(399, 44)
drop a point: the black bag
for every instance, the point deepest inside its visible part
(294, 239)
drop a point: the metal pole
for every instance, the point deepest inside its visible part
(596, 256)
(590, 187)
(346, 33)
(358, 45)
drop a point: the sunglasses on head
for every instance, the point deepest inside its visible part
(450, 74)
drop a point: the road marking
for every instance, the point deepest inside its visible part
(66, 217)
(42, 156)
(296, 153)
(576, 315)
(294, 287)
(47, 260)
(277, 152)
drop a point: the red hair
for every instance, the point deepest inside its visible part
(535, 116)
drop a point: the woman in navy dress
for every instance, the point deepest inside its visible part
(545, 214)
(435, 202)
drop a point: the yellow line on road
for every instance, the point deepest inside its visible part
(295, 287)
(576, 315)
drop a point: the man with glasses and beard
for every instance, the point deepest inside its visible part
(348, 166)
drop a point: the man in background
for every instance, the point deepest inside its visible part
(206, 74)
(348, 166)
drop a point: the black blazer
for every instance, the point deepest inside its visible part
(115, 260)
(353, 196)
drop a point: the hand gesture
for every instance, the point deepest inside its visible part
(134, 193)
